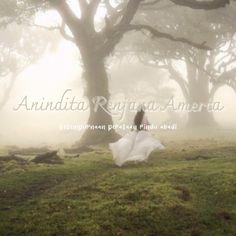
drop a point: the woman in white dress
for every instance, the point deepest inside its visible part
(137, 144)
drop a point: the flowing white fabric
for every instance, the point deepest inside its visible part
(134, 146)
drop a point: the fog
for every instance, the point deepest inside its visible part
(117, 117)
(59, 67)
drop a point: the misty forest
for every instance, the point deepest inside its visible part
(117, 117)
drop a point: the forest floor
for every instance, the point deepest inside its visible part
(187, 189)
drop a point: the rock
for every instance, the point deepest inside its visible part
(29, 151)
(48, 158)
(13, 158)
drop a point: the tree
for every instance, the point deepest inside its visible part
(20, 47)
(132, 85)
(200, 73)
(205, 75)
(95, 45)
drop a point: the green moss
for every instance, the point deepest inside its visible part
(91, 196)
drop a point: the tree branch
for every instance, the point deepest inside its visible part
(7, 92)
(128, 14)
(93, 6)
(180, 81)
(61, 28)
(174, 74)
(205, 5)
(112, 34)
(64, 34)
(113, 13)
(227, 78)
(150, 3)
(72, 21)
(213, 90)
(157, 34)
(83, 7)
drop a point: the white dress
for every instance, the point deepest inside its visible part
(134, 146)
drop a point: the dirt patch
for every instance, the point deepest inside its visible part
(184, 193)
(78, 150)
(9, 199)
(195, 232)
(213, 153)
(198, 157)
(231, 149)
(224, 215)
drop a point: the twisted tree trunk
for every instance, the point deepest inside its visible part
(199, 94)
(97, 92)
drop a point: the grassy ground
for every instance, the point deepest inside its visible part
(188, 189)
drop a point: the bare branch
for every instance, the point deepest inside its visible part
(128, 14)
(61, 28)
(64, 34)
(175, 75)
(205, 5)
(213, 90)
(93, 7)
(113, 13)
(112, 34)
(50, 28)
(227, 78)
(150, 3)
(109, 7)
(157, 34)
(7, 92)
(72, 21)
(219, 84)
(83, 6)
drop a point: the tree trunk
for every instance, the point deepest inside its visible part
(201, 119)
(97, 86)
(7, 92)
(199, 93)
